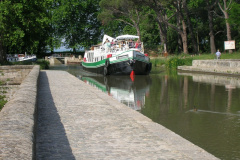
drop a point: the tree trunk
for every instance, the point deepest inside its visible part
(165, 37)
(184, 38)
(3, 57)
(224, 9)
(162, 31)
(189, 23)
(136, 23)
(138, 32)
(182, 32)
(229, 37)
(211, 32)
(180, 43)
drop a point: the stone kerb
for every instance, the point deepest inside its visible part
(216, 63)
(17, 120)
(214, 66)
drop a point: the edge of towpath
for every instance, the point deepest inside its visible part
(78, 121)
(54, 115)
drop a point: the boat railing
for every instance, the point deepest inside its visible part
(116, 48)
(100, 52)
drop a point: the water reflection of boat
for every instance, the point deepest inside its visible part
(122, 88)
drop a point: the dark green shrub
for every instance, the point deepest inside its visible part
(174, 62)
(43, 64)
(158, 62)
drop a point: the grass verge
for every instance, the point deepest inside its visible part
(172, 62)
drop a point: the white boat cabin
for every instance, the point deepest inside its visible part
(111, 47)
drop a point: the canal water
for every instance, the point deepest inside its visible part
(202, 108)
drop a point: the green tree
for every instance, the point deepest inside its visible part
(234, 20)
(24, 26)
(76, 22)
(121, 10)
(225, 7)
(210, 5)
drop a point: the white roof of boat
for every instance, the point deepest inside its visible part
(107, 37)
(126, 37)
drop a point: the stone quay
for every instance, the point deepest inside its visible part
(54, 115)
(217, 66)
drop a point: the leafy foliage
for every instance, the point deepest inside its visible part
(174, 62)
(235, 20)
(24, 25)
(34, 26)
(123, 11)
(76, 22)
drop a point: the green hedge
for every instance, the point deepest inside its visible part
(43, 63)
(172, 62)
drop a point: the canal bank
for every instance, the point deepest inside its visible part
(225, 66)
(77, 121)
(17, 118)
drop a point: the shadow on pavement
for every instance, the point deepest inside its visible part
(51, 140)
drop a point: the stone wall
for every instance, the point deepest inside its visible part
(226, 66)
(14, 75)
(54, 61)
(17, 120)
(73, 60)
(11, 77)
(216, 63)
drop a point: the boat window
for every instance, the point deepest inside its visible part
(122, 56)
(92, 57)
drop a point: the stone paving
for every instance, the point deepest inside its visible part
(77, 121)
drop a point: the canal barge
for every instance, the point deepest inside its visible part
(120, 56)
